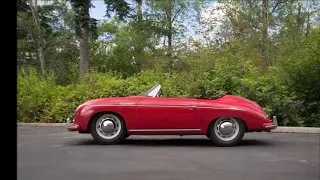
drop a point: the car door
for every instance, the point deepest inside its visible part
(167, 114)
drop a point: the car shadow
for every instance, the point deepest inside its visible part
(174, 142)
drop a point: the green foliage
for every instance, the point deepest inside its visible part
(121, 7)
(130, 56)
(48, 102)
(34, 95)
(303, 71)
(289, 113)
(81, 15)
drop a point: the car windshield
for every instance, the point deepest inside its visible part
(153, 92)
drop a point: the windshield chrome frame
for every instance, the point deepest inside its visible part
(152, 92)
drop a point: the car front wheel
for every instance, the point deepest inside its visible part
(226, 131)
(108, 129)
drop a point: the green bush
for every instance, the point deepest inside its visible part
(34, 95)
(302, 72)
(41, 100)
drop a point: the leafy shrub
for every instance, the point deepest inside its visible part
(289, 113)
(34, 95)
(41, 100)
(302, 69)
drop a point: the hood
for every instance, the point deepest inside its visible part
(113, 100)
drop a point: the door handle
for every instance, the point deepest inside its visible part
(192, 107)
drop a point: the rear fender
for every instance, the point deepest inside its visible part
(253, 120)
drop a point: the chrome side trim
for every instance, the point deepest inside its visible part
(164, 130)
(192, 107)
(159, 106)
(127, 104)
(146, 105)
(207, 107)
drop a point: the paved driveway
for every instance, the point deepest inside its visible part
(52, 153)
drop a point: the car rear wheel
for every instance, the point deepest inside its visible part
(226, 131)
(108, 129)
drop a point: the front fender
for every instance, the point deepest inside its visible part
(86, 112)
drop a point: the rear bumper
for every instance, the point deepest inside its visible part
(272, 125)
(71, 126)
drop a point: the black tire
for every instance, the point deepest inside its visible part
(226, 143)
(119, 137)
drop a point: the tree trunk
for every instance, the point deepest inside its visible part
(265, 37)
(308, 25)
(170, 38)
(139, 45)
(38, 37)
(139, 7)
(299, 20)
(84, 41)
(169, 35)
(41, 58)
(170, 63)
(84, 50)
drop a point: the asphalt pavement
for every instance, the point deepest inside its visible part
(52, 153)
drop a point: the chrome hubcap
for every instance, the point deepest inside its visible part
(226, 129)
(108, 126)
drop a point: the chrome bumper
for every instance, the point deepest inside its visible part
(71, 126)
(274, 125)
(68, 121)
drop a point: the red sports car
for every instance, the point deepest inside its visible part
(224, 118)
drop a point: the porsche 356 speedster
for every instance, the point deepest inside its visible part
(224, 118)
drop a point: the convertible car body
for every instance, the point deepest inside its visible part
(224, 119)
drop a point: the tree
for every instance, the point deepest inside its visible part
(249, 22)
(32, 27)
(265, 14)
(142, 38)
(84, 23)
(167, 14)
(82, 20)
(41, 29)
